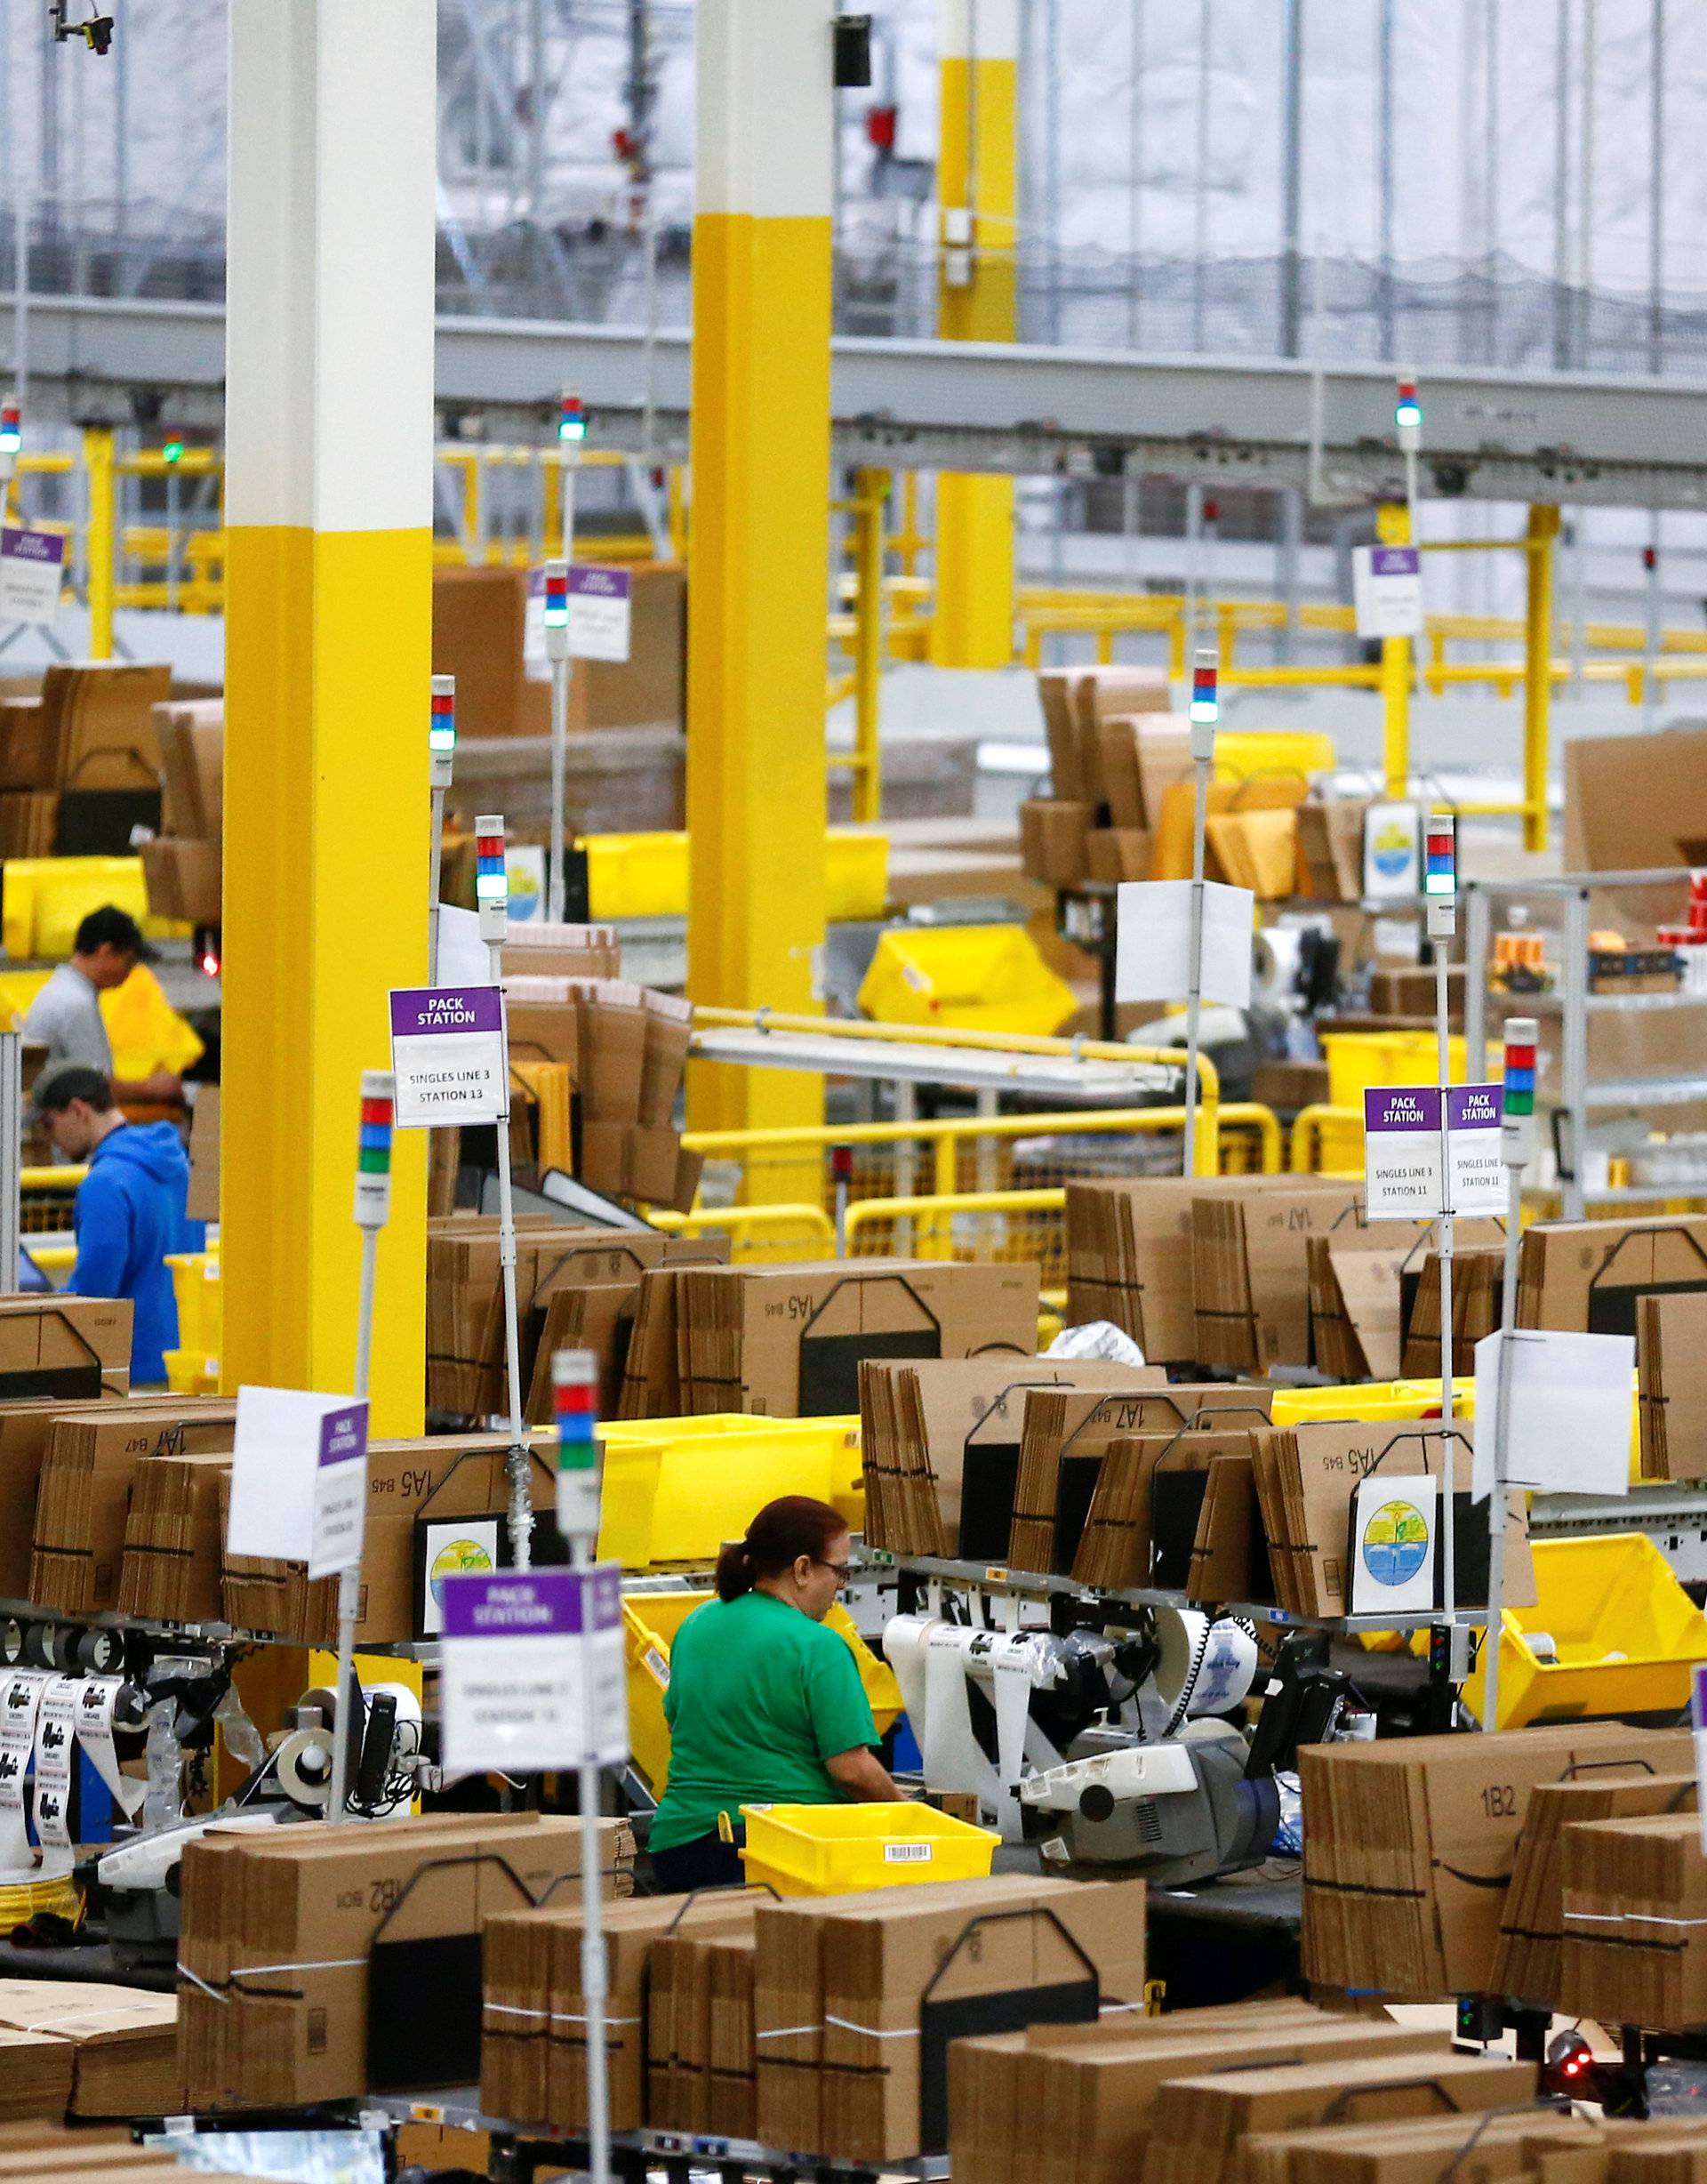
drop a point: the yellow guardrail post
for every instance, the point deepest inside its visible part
(1393, 528)
(870, 489)
(740, 1221)
(101, 543)
(1537, 688)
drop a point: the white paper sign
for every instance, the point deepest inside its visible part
(339, 1492)
(32, 569)
(447, 1055)
(532, 1674)
(1153, 942)
(1387, 591)
(600, 612)
(1571, 1397)
(1393, 1541)
(274, 1465)
(20, 1698)
(1480, 1184)
(464, 959)
(1392, 851)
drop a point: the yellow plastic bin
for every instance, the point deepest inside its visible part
(1258, 754)
(195, 1287)
(834, 1849)
(645, 875)
(965, 978)
(1374, 1399)
(1625, 1632)
(1359, 1060)
(670, 1498)
(192, 1372)
(45, 899)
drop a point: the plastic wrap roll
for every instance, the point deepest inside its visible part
(1203, 1667)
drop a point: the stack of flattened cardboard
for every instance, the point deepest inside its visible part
(1586, 1277)
(1065, 1435)
(940, 1446)
(1198, 2123)
(651, 1387)
(1307, 1477)
(174, 1539)
(1330, 848)
(444, 1491)
(1493, 2147)
(89, 1467)
(1411, 1843)
(465, 1308)
(1113, 748)
(1152, 1487)
(703, 2072)
(183, 864)
(1526, 1963)
(24, 1429)
(1671, 1378)
(1355, 1300)
(857, 1997)
(1077, 2104)
(1635, 1913)
(1129, 1255)
(86, 2050)
(304, 1952)
(533, 2044)
(1250, 1268)
(1477, 1273)
(587, 1297)
(788, 1340)
(632, 1046)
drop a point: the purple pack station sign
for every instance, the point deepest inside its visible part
(339, 1492)
(1387, 591)
(601, 610)
(1403, 1150)
(448, 1056)
(32, 569)
(532, 1672)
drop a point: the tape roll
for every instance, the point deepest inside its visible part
(1210, 1666)
(304, 1767)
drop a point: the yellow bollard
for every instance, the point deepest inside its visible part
(101, 542)
(1393, 528)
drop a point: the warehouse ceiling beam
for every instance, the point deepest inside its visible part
(1605, 441)
(329, 501)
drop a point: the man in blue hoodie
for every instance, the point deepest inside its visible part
(129, 1207)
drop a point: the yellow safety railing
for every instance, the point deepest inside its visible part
(1326, 1140)
(44, 1196)
(810, 1223)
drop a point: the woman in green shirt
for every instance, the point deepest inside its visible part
(765, 1703)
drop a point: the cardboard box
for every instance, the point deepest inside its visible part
(1118, 853)
(1422, 2150)
(192, 756)
(787, 1340)
(1330, 848)
(89, 1466)
(1478, 1276)
(30, 755)
(203, 1199)
(1055, 840)
(62, 1346)
(701, 2072)
(304, 1952)
(24, 1430)
(184, 879)
(117, 2048)
(479, 617)
(857, 1997)
(1288, 1085)
(99, 715)
(1411, 1846)
(1671, 1379)
(1196, 2123)
(1585, 1277)
(613, 1034)
(174, 1539)
(554, 951)
(1526, 1962)
(941, 1445)
(1151, 1486)
(29, 821)
(1250, 1270)
(1635, 1910)
(587, 1300)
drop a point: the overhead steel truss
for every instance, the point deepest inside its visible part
(973, 406)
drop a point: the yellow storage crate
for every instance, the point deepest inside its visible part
(1624, 1631)
(195, 1288)
(645, 875)
(1374, 1400)
(965, 978)
(192, 1372)
(1358, 1062)
(1251, 754)
(674, 1490)
(45, 899)
(835, 1850)
(650, 1622)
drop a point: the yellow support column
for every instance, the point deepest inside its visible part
(759, 546)
(978, 194)
(100, 544)
(1393, 528)
(329, 436)
(870, 493)
(1538, 671)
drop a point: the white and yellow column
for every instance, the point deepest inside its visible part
(760, 544)
(977, 183)
(329, 451)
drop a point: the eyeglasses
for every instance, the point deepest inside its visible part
(841, 1569)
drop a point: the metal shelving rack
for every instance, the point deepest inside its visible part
(1572, 1005)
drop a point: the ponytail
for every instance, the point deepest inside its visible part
(782, 1532)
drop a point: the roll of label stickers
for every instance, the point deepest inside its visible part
(96, 1697)
(56, 1737)
(1224, 1655)
(20, 1698)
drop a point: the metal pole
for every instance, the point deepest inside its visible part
(1385, 178)
(1561, 184)
(554, 612)
(1657, 195)
(1517, 1145)
(1586, 186)
(1651, 631)
(1204, 710)
(492, 894)
(11, 1151)
(441, 741)
(1292, 155)
(1441, 897)
(1200, 205)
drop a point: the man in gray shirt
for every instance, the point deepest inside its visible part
(65, 1016)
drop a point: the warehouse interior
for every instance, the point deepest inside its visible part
(853, 1091)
